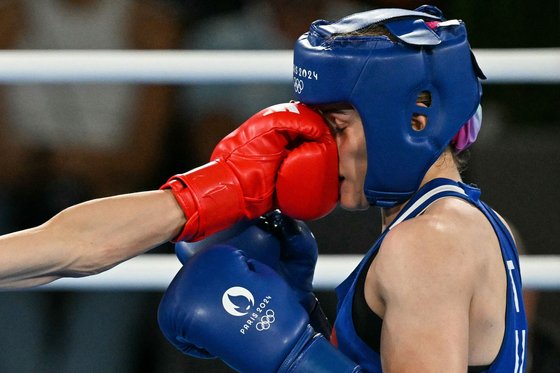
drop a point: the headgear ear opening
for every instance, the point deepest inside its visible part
(383, 79)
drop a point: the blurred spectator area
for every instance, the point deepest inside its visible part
(66, 143)
(215, 110)
(81, 141)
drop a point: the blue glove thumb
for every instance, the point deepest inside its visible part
(298, 256)
(190, 349)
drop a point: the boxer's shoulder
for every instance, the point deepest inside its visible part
(430, 246)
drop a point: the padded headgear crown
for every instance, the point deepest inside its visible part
(382, 80)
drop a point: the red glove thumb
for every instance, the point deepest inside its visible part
(307, 181)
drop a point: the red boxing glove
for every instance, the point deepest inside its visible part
(240, 180)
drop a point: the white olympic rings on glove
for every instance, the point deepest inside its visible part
(266, 320)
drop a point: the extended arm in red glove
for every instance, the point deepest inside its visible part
(288, 144)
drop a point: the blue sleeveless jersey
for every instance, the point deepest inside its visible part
(512, 355)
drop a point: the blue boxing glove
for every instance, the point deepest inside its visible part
(243, 312)
(284, 244)
(298, 258)
(253, 237)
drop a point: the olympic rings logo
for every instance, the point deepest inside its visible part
(298, 85)
(266, 320)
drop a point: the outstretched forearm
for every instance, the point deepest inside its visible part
(89, 238)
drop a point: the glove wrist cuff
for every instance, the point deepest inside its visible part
(313, 353)
(211, 198)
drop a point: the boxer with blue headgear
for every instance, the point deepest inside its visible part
(382, 79)
(401, 91)
(440, 289)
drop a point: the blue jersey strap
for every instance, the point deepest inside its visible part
(418, 206)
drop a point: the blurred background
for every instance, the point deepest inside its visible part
(61, 144)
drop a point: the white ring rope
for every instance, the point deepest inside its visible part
(154, 273)
(538, 66)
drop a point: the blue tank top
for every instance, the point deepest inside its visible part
(512, 355)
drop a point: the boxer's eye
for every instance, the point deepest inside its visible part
(339, 129)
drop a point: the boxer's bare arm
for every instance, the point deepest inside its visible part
(239, 183)
(426, 299)
(89, 238)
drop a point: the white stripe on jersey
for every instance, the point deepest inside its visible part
(511, 267)
(424, 198)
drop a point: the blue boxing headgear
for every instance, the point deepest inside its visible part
(382, 80)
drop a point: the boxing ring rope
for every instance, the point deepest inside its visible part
(534, 66)
(154, 272)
